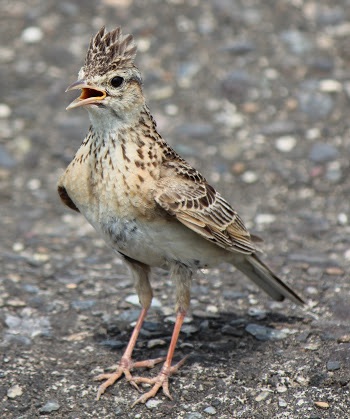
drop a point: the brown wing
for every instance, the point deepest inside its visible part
(183, 192)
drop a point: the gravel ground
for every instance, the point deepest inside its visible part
(255, 94)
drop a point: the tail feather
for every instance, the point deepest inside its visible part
(262, 275)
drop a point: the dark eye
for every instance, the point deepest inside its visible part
(117, 81)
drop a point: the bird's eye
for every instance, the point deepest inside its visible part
(117, 81)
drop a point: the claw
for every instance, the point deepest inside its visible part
(124, 368)
(160, 381)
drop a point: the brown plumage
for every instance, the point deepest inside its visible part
(147, 202)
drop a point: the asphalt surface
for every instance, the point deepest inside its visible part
(254, 94)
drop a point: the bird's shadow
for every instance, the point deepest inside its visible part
(205, 339)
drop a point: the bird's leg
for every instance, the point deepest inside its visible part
(182, 276)
(140, 273)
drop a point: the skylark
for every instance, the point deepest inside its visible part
(147, 202)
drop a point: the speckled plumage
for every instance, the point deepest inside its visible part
(146, 201)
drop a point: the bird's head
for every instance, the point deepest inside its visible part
(110, 83)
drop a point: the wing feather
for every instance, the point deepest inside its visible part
(184, 193)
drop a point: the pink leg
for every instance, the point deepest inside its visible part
(126, 363)
(162, 378)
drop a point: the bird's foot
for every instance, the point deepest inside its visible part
(160, 381)
(125, 366)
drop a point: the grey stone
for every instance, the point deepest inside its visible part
(210, 410)
(279, 128)
(194, 415)
(83, 305)
(333, 365)
(28, 324)
(257, 313)
(323, 152)
(6, 160)
(298, 42)
(265, 333)
(315, 105)
(233, 295)
(129, 316)
(239, 47)
(50, 406)
(231, 331)
(235, 86)
(153, 403)
(112, 343)
(329, 16)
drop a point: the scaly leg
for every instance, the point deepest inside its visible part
(126, 363)
(140, 273)
(182, 276)
(161, 380)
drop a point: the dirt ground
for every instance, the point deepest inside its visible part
(256, 95)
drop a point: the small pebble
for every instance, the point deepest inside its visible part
(312, 134)
(189, 329)
(330, 86)
(112, 343)
(265, 219)
(212, 309)
(231, 331)
(264, 333)
(334, 173)
(282, 403)
(50, 406)
(129, 316)
(194, 415)
(281, 388)
(17, 247)
(279, 128)
(172, 319)
(285, 143)
(262, 396)
(249, 177)
(83, 305)
(333, 365)
(301, 380)
(155, 342)
(34, 184)
(323, 152)
(133, 299)
(303, 336)
(316, 105)
(171, 109)
(257, 313)
(347, 254)
(5, 111)
(344, 339)
(32, 35)
(334, 270)
(15, 302)
(210, 410)
(312, 290)
(297, 41)
(14, 392)
(322, 405)
(342, 219)
(153, 403)
(312, 346)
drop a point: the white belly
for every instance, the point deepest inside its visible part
(158, 243)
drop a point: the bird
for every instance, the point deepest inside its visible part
(147, 202)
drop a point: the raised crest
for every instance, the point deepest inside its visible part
(109, 50)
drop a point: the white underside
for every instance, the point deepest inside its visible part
(162, 243)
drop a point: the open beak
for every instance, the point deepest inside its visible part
(89, 94)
